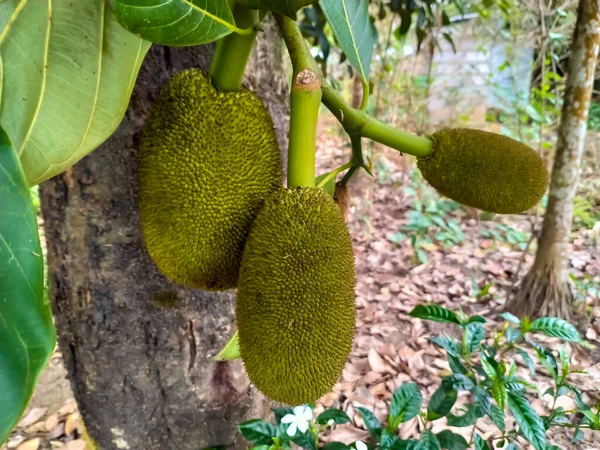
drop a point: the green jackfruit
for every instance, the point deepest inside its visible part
(485, 170)
(295, 305)
(207, 161)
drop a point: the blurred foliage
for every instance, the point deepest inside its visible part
(429, 220)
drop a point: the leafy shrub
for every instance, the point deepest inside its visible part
(487, 372)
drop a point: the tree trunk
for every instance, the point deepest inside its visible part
(137, 347)
(545, 291)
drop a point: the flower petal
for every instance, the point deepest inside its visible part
(298, 410)
(306, 413)
(288, 418)
(360, 445)
(291, 431)
(302, 425)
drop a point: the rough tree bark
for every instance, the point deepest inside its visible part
(545, 290)
(138, 348)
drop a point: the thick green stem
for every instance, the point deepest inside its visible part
(357, 122)
(305, 100)
(232, 52)
(397, 139)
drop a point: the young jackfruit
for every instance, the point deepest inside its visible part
(485, 170)
(207, 161)
(295, 305)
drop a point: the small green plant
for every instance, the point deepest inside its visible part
(482, 364)
(428, 220)
(594, 117)
(585, 214)
(505, 233)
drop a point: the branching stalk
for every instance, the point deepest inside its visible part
(357, 122)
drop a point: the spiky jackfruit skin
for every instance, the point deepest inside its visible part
(207, 161)
(485, 170)
(295, 305)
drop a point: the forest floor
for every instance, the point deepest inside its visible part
(472, 263)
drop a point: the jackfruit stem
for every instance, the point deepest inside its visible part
(357, 122)
(305, 100)
(232, 52)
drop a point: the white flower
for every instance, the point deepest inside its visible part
(298, 420)
(360, 445)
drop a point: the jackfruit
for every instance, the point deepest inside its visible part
(207, 161)
(295, 304)
(485, 170)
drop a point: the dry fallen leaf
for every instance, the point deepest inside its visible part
(32, 417)
(33, 444)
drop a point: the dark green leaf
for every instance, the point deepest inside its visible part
(458, 381)
(512, 334)
(349, 20)
(578, 435)
(430, 440)
(441, 402)
(511, 318)
(480, 443)
(530, 424)
(258, 431)
(481, 399)
(280, 412)
(448, 38)
(487, 367)
(305, 440)
(528, 361)
(371, 422)
(452, 441)
(547, 359)
(81, 66)
(336, 415)
(407, 444)
(564, 361)
(406, 402)
(473, 335)
(452, 347)
(497, 416)
(499, 393)
(405, 21)
(465, 420)
(336, 446)
(435, 313)
(286, 7)
(387, 440)
(553, 326)
(456, 365)
(175, 22)
(479, 319)
(27, 335)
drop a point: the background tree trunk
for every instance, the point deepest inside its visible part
(545, 291)
(140, 371)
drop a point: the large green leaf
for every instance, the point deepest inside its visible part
(175, 22)
(67, 71)
(406, 403)
(287, 7)
(530, 424)
(27, 336)
(553, 326)
(435, 313)
(441, 402)
(352, 27)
